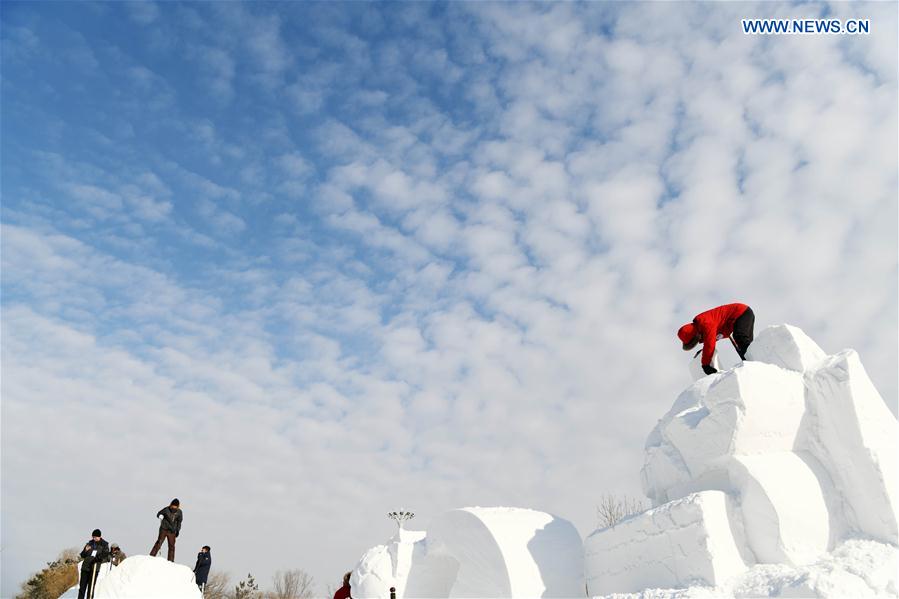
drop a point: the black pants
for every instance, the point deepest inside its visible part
(743, 327)
(87, 582)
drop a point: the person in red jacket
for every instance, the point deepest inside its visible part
(344, 591)
(731, 320)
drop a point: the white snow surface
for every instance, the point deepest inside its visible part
(477, 552)
(785, 346)
(774, 478)
(856, 568)
(145, 577)
(684, 539)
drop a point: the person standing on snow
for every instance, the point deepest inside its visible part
(344, 591)
(169, 527)
(201, 570)
(95, 552)
(731, 320)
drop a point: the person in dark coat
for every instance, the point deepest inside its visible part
(736, 321)
(169, 527)
(344, 591)
(204, 562)
(95, 552)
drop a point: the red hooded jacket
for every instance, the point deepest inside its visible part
(714, 322)
(343, 592)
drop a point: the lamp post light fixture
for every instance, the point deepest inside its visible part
(400, 517)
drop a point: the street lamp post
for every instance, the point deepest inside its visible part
(400, 517)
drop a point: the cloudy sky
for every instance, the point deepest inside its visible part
(300, 264)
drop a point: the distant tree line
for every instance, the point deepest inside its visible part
(286, 584)
(612, 509)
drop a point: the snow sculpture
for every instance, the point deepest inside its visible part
(779, 460)
(853, 434)
(385, 566)
(142, 576)
(684, 539)
(785, 346)
(477, 552)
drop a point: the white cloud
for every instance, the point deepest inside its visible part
(294, 165)
(267, 47)
(219, 72)
(98, 202)
(145, 12)
(221, 220)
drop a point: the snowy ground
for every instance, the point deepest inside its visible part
(857, 568)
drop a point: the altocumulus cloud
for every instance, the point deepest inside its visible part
(302, 264)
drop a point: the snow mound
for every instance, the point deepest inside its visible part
(761, 474)
(785, 346)
(145, 577)
(385, 566)
(477, 552)
(856, 568)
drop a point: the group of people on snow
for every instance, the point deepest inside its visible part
(97, 551)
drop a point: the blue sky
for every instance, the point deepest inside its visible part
(300, 264)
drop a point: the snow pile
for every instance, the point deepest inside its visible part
(758, 476)
(145, 577)
(856, 568)
(385, 566)
(477, 552)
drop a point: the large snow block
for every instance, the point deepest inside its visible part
(853, 434)
(684, 542)
(386, 566)
(783, 508)
(477, 552)
(785, 346)
(752, 409)
(145, 577)
(373, 575)
(505, 552)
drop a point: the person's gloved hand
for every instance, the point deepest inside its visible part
(176, 534)
(708, 369)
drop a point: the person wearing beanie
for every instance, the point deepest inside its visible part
(95, 552)
(735, 321)
(169, 527)
(116, 555)
(201, 570)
